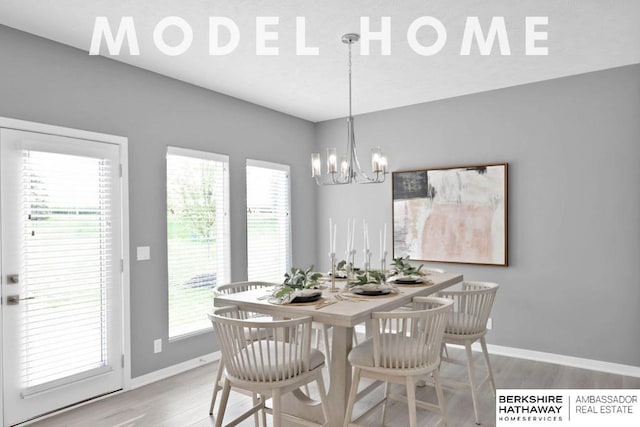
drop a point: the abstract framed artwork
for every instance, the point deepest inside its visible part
(453, 214)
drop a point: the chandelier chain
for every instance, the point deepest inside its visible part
(350, 63)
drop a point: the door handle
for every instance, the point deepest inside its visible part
(15, 299)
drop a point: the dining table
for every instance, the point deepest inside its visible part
(342, 314)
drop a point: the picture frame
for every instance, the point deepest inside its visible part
(452, 214)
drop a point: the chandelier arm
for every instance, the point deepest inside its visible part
(357, 169)
(350, 158)
(353, 171)
(364, 178)
(330, 181)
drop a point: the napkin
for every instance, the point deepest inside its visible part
(288, 298)
(411, 277)
(375, 287)
(340, 274)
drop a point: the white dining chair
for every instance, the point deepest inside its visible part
(430, 270)
(404, 347)
(280, 361)
(232, 288)
(321, 330)
(468, 324)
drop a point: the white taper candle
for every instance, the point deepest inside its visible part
(353, 236)
(366, 236)
(348, 236)
(333, 247)
(384, 239)
(330, 231)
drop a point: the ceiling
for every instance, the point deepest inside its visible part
(583, 36)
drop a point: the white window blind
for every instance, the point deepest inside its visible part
(268, 221)
(67, 271)
(197, 236)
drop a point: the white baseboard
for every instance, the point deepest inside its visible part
(518, 353)
(560, 359)
(170, 371)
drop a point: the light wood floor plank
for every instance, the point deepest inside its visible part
(183, 400)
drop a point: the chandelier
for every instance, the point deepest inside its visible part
(349, 170)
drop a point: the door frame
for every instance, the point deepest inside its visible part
(123, 144)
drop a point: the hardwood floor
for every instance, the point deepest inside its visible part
(183, 400)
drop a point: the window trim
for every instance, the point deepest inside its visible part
(271, 165)
(206, 155)
(280, 167)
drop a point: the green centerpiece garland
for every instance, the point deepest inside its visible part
(401, 266)
(297, 279)
(371, 277)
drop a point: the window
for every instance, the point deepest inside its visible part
(197, 236)
(66, 258)
(268, 221)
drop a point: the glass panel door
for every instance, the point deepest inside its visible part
(61, 254)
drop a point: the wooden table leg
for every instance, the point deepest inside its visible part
(338, 389)
(339, 374)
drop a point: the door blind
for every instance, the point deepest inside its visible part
(197, 236)
(268, 221)
(66, 270)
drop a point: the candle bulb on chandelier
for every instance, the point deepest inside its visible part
(376, 155)
(315, 165)
(344, 167)
(332, 160)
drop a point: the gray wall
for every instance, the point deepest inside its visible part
(574, 206)
(573, 147)
(46, 82)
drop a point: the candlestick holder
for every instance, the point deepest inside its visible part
(333, 288)
(350, 266)
(383, 263)
(367, 260)
(348, 269)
